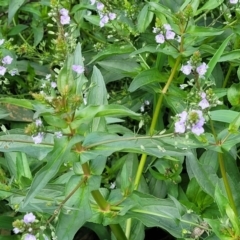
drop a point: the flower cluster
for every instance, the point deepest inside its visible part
(105, 16)
(165, 33)
(192, 120)
(25, 226)
(64, 17)
(194, 65)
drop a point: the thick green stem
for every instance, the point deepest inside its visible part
(104, 206)
(226, 183)
(118, 232)
(154, 120)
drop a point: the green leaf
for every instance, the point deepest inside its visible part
(6, 222)
(17, 29)
(230, 56)
(18, 102)
(144, 19)
(65, 80)
(147, 77)
(234, 126)
(55, 121)
(233, 94)
(214, 60)
(209, 5)
(226, 116)
(200, 174)
(98, 92)
(203, 31)
(38, 33)
(79, 210)
(32, 8)
(79, 78)
(23, 169)
(128, 174)
(112, 50)
(54, 161)
(14, 6)
(23, 143)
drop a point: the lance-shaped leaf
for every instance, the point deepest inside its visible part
(54, 161)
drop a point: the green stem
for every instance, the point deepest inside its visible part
(128, 228)
(104, 206)
(223, 172)
(228, 75)
(118, 232)
(226, 183)
(154, 120)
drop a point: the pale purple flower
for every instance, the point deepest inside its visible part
(100, 6)
(160, 38)
(186, 69)
(64, 20)
(29, 218)
(233, 1)
(38, 138)
(170, 34)
(183, 116)
(13, 72)
(112, 16)
(30, 237)
(16, 230)
(2, 70)
(63, 12)
(1, 41)
(197, 129)
(38, 122)
(78, 69)
(202, 69)
(53, 84)
(103, 20)
(180, 127)
(167, 26)
(7, 60)
(58, 134)
(204, 103)
(92, 2)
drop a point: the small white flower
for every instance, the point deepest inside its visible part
(16, 230)
(58, 134)
(167, 27)
(48, 76)
(2, 70)
(233, 1)
(38, 122)
(29, 218)
(112, 185)
(64, 20)
(100, 6)
(92, 2)
(186, 69)
(1, 41)
(13, 72)
(78, 69)
(142, 108)
(160, 38)
(112, 16)
(63, 12)
(38, 138)
(53, 84)
(7, 60)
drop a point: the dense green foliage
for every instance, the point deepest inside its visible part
(119, 116)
